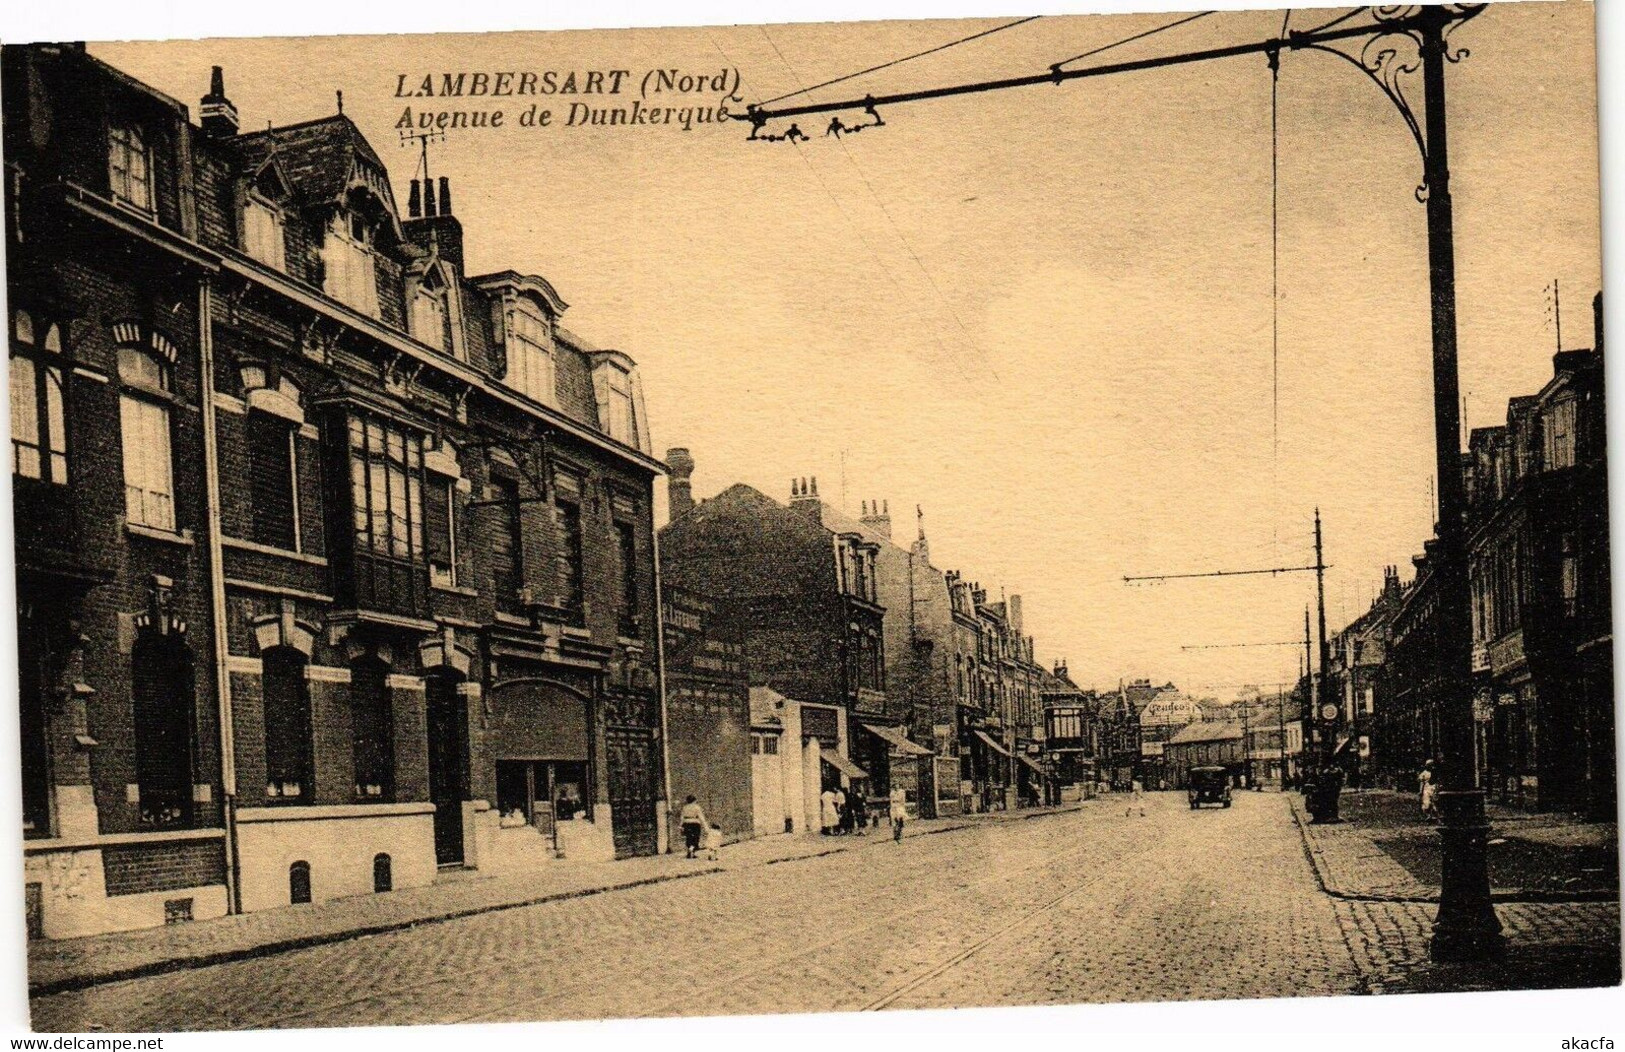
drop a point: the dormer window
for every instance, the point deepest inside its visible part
(347, 258)
(530, 355)
(129, 166)
(620, 400)
(429, 316)
(263, 237)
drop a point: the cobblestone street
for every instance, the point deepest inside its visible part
(1083, 906)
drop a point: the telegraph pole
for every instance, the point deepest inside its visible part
(1328, 724)
(1466, 927)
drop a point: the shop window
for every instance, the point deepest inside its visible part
(540, 793)
(39, 435)
(372, 731)
(287, 727)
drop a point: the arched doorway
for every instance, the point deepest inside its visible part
(541, 742)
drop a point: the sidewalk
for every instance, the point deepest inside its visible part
(1385, 850)
(71, 964)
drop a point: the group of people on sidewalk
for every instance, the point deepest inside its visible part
(842, 813)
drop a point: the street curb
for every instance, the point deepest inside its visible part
(165, 966)
(1329, 885)
(305, 942)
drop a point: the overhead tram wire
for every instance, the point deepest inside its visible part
(1275, 276)
(905, 58)
(1129, 40)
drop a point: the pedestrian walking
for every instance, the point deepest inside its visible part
(1424, 784)
(859, 807)
(829, 814)
(843, 815)
(713, 842)
(1136, 799)
(899, 812)
(693, 820)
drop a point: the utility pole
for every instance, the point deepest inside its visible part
(1466, 927)
(1328, 727)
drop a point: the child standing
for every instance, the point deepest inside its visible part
(713, 842)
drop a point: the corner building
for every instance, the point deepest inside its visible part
(356, 574)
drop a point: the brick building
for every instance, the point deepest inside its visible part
(710, 747)
(1072, 739)
(1355, 655)
(377, 591)
(799, 581)
(1206, 743)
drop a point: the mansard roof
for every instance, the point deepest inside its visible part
(321, 159)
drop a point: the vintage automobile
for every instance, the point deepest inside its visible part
(1208, 785)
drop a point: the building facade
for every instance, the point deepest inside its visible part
(358, 575)
(799, 582)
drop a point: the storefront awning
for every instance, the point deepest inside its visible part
(991, 744)
(841, 763)
(895, 738)
(1031, 763)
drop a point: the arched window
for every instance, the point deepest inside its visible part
(299, 882)
(372, 731)
(145, 373)
(39, 435)
(287, 727)
(161, 682)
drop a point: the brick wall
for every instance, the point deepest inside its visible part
(131, 869)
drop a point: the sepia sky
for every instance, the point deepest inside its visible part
(1043, 315)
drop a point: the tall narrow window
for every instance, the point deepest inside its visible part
(350, 271)
(570, 534)
(440, 531)
(530, 356)
(273, 474)
(386, 477)
(287, 727)
(627, 548)
(161, 682)
(263, 237)
(33, 681)
(1558, 431)
(149, 493)
(622, 422)
(129, 167)
(1570, 575)
(429, 317)
(39, 436)
(372, 733)
(503, 555)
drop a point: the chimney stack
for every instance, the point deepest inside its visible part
(1013, 613)
(430, 223)
(217, 116)
(679, 492)
(877, 517)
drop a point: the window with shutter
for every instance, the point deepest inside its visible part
(503, 553)
(440, 531)
(273, 467)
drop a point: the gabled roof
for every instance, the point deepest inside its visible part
(1224, 730)
(317, 157)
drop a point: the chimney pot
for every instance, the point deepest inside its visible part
(414, 201)
(445, 196)
(429, 209)
(216, 115)
(679, 490)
